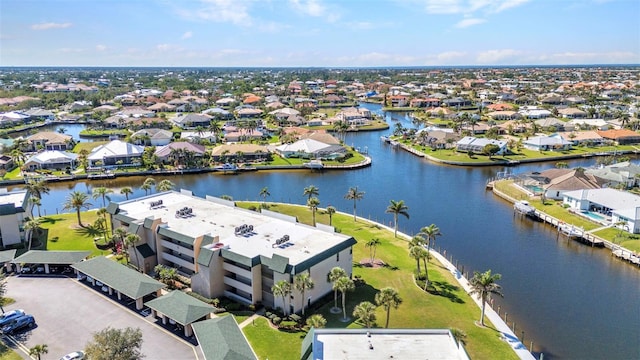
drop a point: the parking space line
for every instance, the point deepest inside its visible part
(18, 344)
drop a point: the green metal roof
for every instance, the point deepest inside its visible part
(182, 308)
(7, 255)
(145, 250)
(124, 218)
(113, 208)
(204, 258)
(221, 339)
(7, 209)
(51, 257)
(148, 221)
(240, 259)
(276, 263)
(176, 236)
(133, 228)
(119, 277)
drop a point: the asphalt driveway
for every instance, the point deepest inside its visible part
(68, 312)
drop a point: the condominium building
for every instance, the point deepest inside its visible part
(230, 251)
(14, 208)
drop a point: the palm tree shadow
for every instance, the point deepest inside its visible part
(392, 268)
(50, 220)
(89, 230)
(445, 289)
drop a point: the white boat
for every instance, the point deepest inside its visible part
(523, 207)
(226, 167)
(570, 231)
(314, 164)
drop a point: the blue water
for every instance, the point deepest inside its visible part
(594, 216)
(573, 301)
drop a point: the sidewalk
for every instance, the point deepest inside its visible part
(508, 335)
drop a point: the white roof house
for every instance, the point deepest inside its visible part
(51, 159)
(114, 152)
(308, 146)
(543, 143)
(476, 145)
(623, 206)
(590, 123)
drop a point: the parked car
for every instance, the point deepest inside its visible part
(76, 355)
(18, 324)
(10, 316)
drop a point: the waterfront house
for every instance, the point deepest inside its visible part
(476, 145)
(15, 207)
(178, 151)
(621, 136)
(240, 152)
(622, 207)
(190, 121)
(229, 251)
(553, 142)
(624, 174)
(590, 124)
(309, 148)
(504, 115)
(51, 159)
(6, 162)
(556, 182)
(49, 140)
(553, 123)
(572, 113)
(115, 152)
(585, 138)
(152, 137)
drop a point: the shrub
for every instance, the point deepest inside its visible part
(276, 320)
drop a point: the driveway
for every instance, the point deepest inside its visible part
(68, 312)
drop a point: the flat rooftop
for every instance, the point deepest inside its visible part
(15, 197)
(385, 344)
(210, 218)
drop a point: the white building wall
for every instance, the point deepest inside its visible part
(9, 226)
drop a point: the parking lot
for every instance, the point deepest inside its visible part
(68, 312)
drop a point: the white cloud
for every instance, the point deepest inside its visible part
(464, 23)
(491, 57)
(163, 47)
(507, 4)
(101, 47)
(186, 35)
(308, 7)
(468, 6)
(50, 25)
(233, 11)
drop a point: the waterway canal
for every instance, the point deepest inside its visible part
(573, 301)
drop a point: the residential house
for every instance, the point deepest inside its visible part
(557, 181)
(51, 159)
(49, 140)
(553, 142)
(476, 145)
(114, 153)
(553, 124)
(309, 148)
(229, 251)
(235, 134)
(199, 136)
(218, 113)
(152, 137)
(456, 102)
(41, 114)
(15, 207)
(623, 207)
(6, 162)
(585, 138)
(589, 124)
(625, 174)
(248, 113)
(161, 107)
(179, 151)
(622, 136)
(240, 152)
(572, 113)
(533, 112)
(190, 121)
(504, 115)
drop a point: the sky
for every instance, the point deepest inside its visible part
(318, 33)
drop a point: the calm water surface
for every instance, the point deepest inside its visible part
(573, 301)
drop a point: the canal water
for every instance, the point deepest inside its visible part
(571, 300)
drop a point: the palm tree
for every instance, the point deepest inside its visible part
(366, 313)
(303, 282)
(316, 321)
(148, 184)
(37, 188)
(215, 128)
(484, 284)
(372, 245)
(18, 156)
(343, 285)
(313, 203)
(430, 233)
(165, 185)
(130, 241)
(102, 213)
(335, 274)
(388, 298)
(459, 336)
(77, 200)
(282, 288)
(38, 350)
(119, 234)
(264, 193)
(126, 191)
(416, 253)
(331, 210)
(29, 227)
(36, 201)
(397, 208)
(102, 192)
(311, 191)
(355, 195)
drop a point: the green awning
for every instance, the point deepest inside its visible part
(221, 339)
(182, 308)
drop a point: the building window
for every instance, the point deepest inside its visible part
(338, 257)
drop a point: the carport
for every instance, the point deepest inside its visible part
(48, 258)
(5, 258)
(180, 308)
(120, 278)
(221, 338)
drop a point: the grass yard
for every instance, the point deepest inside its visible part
(6, 353)
(450, 307)
(87, 146)
(61, 232)
(269, 343)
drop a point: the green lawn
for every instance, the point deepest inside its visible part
(451, 308)
(6, 353)
(87, 146)
(268, 343)
(622, 238)
(61, 232)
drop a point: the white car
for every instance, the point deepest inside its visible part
(76, 355)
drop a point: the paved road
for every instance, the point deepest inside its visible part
(68, 312)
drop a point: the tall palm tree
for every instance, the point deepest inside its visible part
(303, 282)
(130, 240)
(343, 285)
(148, 184)
(282, 288)
(165, 185)
(373, 244)
(39, 350)
(484, 284)
(355, 195)
(388, 298)
(102, 213)
(215, 128)
(430, 233)
(37, 188)
(77, 200)
(316, 321)
(366, 313)
(335, 274)
(119, 234)
(397, 208)
(311, 191)
(102, 192)
(126, 191)
(37, 202)
(264, 193)
(331, 210)
(416, 253)
(30, 227)
(313, 204)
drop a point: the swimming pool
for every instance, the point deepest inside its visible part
(534, 189)
(594, 216)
